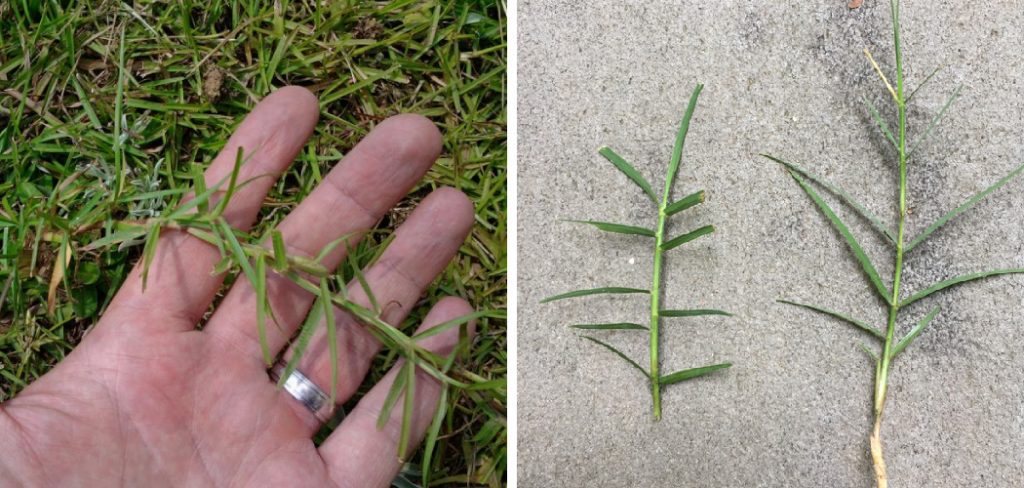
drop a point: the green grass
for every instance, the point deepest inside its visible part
(887, 346)
(86, 147)
(661, 243)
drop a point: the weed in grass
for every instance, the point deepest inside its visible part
(665, 210)
(895, 301)
(186, 74)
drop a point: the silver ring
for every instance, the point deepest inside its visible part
(301, 388)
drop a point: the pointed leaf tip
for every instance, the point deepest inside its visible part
(629, 171)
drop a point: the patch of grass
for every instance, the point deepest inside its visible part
(81, 153)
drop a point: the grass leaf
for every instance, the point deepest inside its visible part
(407, 414)
(689, 374)
(861, 210)
(916, 331)
(594, 291)
(280, 252)
(689, 236)
(923, 83)
(881, 122)
(684, 127)
(392, 397)
(858, 252)
(433, 432)
(149, 251)
(935, 121)
(942, 285)
(617, 228)
(845, 318)
(299, 345)
(685, 203)
(696, 312)
(617, 326)
(618, 353)
(629, 171)
(260, 289)
(963, 208)
(332, 336)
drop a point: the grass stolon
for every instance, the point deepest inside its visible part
(665, 210)
(890, 346)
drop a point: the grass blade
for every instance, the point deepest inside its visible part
(149, 251)
(332, 335)
(618, 353)
(392, 398)
(617, 228)
(260, 289)
(432, 435)
(916, 331)
(685, 203)
(845, 197)
(964, 207)
(409, 407)
(236, 250)
(865, 262)
(935, 121)
(222, 205)
(301, 342)
(845, 318)
(280, 252)
(593, 291)
(923, 83)
(942, 285)
(881, 122)
(629, 171)
(688, 374)
(696, 312)
(617, 326)
(684, 127)
(689, 236)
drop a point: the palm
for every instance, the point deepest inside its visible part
(146, 398)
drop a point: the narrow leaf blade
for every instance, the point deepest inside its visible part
(689, 236)
(861, 210)
(845, 318)
(916, 331)
(696, 312)
(616, 326)
(858, 252)
(935, 121)
(618, 353)
(685, 203)
(881, 122)
(594, 291)
(684, 127)
(964, 207)
(942, 285)
(617, 228)
(629, 171)
(689, 374)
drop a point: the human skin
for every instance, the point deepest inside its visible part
(147, 399)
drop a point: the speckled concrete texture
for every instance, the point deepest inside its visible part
(785, 78)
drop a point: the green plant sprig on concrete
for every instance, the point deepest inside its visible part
(890, 346)
(666, 209)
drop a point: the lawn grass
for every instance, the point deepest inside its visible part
(85, 144)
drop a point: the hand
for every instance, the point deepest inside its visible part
(148, 400)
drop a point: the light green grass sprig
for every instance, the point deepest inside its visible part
(662, 243)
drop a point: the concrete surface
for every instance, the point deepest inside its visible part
(784, 78)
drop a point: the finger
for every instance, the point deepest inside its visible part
(374, 176)
(179, 285)
(359, 454)
(422, 247)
